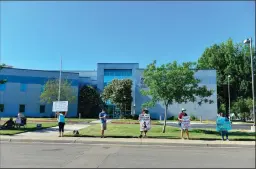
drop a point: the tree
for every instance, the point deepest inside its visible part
(242, 108)
(119, 92)
(89, 102)
(171, 83)
(2, 81)
(229, 59)
(51, 89)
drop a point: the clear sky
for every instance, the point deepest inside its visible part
(35, 34)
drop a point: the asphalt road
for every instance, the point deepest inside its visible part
(213, 126)
(36, 155)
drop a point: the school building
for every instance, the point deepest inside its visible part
(22, 91)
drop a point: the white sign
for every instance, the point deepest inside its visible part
(185, 124)
(144, 122)
(60, 106)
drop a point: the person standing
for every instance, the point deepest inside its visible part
(103, 120)
(61, 122)
(143, 129)
(183, 113)
(184, 129)
(223, 130)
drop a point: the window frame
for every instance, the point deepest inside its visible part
(1, 108)
(42, 105)
(21, 108)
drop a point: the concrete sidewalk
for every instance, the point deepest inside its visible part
(98, 121)
(125, 141)
(52, 131)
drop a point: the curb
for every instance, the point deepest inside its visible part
(135, 142)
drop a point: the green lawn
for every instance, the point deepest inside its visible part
(53, 120)
(130, 121)
(132, 130)
(29, 127)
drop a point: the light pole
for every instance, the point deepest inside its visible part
(60, 78)
(229, 95)
(249, 41)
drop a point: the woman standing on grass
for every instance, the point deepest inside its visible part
(143, 129)
(184, 128)
(61, 121)
(225, 128)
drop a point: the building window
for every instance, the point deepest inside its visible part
(2, 87)
(22, 108)
(23, 87)
(1, 108)
(42, 108)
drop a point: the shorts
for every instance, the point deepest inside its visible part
(103, 126)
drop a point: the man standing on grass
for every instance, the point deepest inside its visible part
(103, 120)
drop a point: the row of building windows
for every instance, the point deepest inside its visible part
(22, 108)
(23, 87)
(117, 72)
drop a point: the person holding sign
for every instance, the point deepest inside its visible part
(183, 111)
(144, 119)
(103, 119)
(223, 125)
(185, 125)
(61, 121)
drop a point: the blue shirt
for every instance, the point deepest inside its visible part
(102, 114)
(61, 118)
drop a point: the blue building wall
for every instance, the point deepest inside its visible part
(24, 87)
(206, 111)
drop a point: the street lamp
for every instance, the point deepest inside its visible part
(229, 95)
(134, 111)
(249, 41)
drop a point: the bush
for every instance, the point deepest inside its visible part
(172, 118)
(194, 118)
(135, 117)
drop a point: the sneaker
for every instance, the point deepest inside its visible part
(140, 136)
(227, 139)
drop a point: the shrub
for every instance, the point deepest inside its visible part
(172, 118)
(194, 118)
(135, 117)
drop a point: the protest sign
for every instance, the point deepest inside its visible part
(223, 124)
(185, 123)
(144, 122)
(60, 106)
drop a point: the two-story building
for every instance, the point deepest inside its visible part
(22, 91)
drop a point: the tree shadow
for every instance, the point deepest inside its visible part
(232, 133)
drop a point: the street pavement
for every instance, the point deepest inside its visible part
(46, 155)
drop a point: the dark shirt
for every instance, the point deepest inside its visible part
(10, 123)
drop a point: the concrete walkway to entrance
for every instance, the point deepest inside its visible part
(53, 131)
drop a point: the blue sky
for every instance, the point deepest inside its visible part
(35, 34)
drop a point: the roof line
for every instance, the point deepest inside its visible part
(42, 70)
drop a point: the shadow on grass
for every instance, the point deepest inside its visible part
(15, 131)
(233, 133)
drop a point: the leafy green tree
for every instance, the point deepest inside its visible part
(119, 92)
(171, 83)
(89, 102)
(242, 108)
(229, 59)
(51, 89)
(2, 81)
